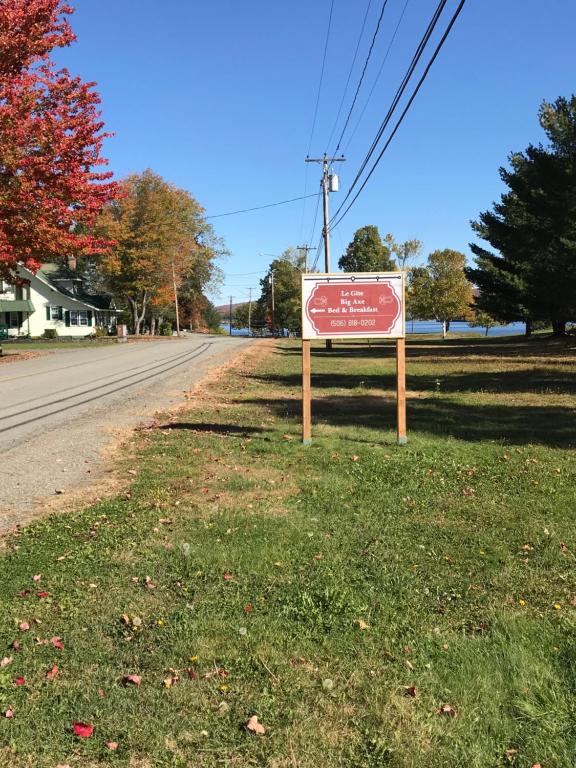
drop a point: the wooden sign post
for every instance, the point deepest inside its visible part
(361, 305)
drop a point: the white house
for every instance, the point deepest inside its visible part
(53, 298)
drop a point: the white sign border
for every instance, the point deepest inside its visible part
(341, 277)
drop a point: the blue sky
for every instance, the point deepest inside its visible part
(219, 99)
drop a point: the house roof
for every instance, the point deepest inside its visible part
(54, 274)
(16, 305)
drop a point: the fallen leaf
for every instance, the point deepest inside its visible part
(58, 491)
(192, 674)
(24, 626)
(412, 691)
(149, 583)
(42, 594)
(254, 726)
(37, 577)
(102, 693)
(53, 672)
(83, 730)
(112, 745)
(9, 713)
(5, 661)
(228, 576)
(248, 608)
(355, 458)
(57, 643)
(132, 680)
(132, 472)
(23, 593)
(447, 710)
(361, 624)
(406, 649)
(20, 681)
(15, 645)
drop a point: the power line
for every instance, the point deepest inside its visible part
(375, 83)
(384, 4)
(260, 207)
(321, 76)
(406, 108)
(401, 88)
(350, 72)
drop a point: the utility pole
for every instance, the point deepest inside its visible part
(176, 299)
(273, 307)
(326, 183)
(306, 248)
(250, 313)
(231, 297)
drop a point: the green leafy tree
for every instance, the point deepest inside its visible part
(210, 316)
(484, 320)
(440, 291)
(405, 252)
(367, 253)
(530, 274)
(284, 273)
(240, 315)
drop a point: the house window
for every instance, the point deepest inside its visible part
(55, 312)
(79, 317)
(12, 318)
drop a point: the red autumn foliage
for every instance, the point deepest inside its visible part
(50, 141)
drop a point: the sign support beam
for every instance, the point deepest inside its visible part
(401, 391)
(306, 394)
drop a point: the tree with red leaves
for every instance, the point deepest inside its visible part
(50, 142)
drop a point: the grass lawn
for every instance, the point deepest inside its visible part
(372, 605)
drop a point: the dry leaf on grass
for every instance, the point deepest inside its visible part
(254, 726)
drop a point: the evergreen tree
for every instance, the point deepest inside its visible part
(532, 275)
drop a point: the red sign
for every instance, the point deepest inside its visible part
(359, 305)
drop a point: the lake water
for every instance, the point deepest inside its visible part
(430, 326)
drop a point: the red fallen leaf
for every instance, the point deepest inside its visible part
(20, 681)
(23, 593)
(101, 693)
(53, 672)
(9, 713)
(15, 645)
(111, 745)
(23, 626)
(412, 691)
(42, 594)
(448, 710)
(228, 576)
(192, 674)
(83, 730)
(248, 608)
(132, 680)
(57, 643)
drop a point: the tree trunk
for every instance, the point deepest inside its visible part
(153, 326)
(487, 329)
(528, 331)
(559, 328)
(134, 311)
(444, 329)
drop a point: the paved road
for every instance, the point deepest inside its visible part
(58, 412)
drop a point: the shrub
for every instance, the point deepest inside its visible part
(50, 333)
(166, 329)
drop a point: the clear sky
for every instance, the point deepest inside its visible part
(218, 97)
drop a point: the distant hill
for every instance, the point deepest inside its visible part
(224, 309)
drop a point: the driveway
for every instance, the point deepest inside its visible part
(58, 413)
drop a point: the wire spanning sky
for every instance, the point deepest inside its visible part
(219, 98)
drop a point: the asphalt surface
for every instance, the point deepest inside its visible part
(58, 413)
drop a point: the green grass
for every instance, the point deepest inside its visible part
(452, 552)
